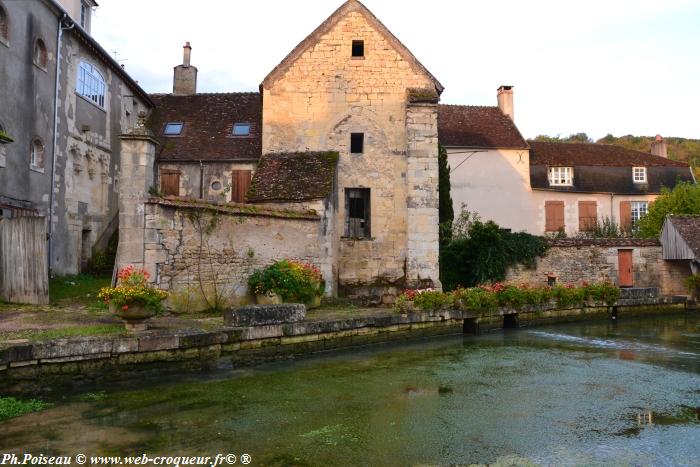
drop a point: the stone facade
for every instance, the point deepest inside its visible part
(208, 180)
(577, 261)
(317, 98)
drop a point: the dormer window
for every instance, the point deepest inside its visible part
(561, 176)
(358, 49)
(173, 128)
(241, 129)
(639, 174)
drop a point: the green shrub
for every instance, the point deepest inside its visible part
(476, 299)
(485, 255)
(433, 301)
(693, 282)
(684, 199)
(603, 292)
(293, 281)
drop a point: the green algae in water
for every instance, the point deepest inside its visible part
(11, 407)
(567, 394)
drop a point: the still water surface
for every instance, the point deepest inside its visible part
(578, 394)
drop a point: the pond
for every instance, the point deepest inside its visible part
(578, 394)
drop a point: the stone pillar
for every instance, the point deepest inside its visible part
(138, 150)
(422, 265)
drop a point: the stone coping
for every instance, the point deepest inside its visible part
(108, 347)
(236, 209)
(603, 242)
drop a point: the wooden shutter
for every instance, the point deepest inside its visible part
(625, 215)
(170, 183)
(554, 215)
(587, 214)
(240, 183)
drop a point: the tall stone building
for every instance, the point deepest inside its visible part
(348, 118)
(63, 102)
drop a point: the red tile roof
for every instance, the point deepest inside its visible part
(583, 154)
(208, 121)
(477, 127)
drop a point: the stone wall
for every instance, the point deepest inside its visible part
(183, 263)
(315, 102)
(576, 261)
(196, 179)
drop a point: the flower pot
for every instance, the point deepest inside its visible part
(268, 298)
(314, 303)
(134, 315)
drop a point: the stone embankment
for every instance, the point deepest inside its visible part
(35, 367)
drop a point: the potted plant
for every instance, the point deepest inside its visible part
(133, 299)
(288, 281)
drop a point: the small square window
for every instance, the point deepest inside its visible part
(173, 129)
(639, 174)
(241, 129)
(357, 143)
(561, 176)
(358, 48)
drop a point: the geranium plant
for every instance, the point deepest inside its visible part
(294, 281)
(133, 289)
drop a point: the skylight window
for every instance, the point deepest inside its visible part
(241, 129)
(173, 129)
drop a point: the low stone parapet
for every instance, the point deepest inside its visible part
(264, 315)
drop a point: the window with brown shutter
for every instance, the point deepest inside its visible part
(625, 215)
(240, 183)
(554, 215)
(587, 215)
(170, 183)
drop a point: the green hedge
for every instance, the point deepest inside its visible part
(490, 297)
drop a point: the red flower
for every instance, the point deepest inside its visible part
(125, 307)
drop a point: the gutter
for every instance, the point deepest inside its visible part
(59, 34)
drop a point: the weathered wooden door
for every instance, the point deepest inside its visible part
(24, 269)
(625, 268)
(240, 183)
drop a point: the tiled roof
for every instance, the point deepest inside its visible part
(477, 127)
(576, 154)
(688, 228)
(208, 121)
(234, 208)
(293, 177)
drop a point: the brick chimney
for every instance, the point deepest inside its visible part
(185, 76)
(659, 148)
(505, 101)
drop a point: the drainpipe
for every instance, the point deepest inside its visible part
(201, 180)
(59, 34)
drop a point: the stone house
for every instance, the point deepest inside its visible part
(345, 126)
(63, 162)
(540, 187)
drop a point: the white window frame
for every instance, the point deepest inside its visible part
(639, 174)
(91, 85)
(639, 210)
(34, 156)
(561, 176)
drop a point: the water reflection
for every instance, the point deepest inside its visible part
(582, 394)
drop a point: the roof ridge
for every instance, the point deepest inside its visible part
(233, 93)
(578, 143)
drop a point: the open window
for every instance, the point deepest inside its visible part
(357, 143)
(358, 49)
(357, 213)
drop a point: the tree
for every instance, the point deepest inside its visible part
(684, 199)
(447, 213)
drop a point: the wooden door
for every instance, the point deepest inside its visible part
(170, 183)
(240, 183)
(625, 276)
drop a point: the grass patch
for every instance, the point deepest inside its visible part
(82, 288)
(11, 407)
(75, 331)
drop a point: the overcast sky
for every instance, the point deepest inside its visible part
(613, 66)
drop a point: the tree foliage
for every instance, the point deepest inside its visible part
(485, 255)
(447, 213)
(684, 199)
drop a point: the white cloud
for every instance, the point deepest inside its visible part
(596, 66)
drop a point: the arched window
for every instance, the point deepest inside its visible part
(41, 56)
(4, 26)
(37, 154)
(91, 84)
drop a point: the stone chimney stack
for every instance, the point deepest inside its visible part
(659, 148)
(185, 76)
(505, 101)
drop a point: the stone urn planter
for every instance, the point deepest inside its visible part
(135, 316)
(314, 303)
(268, 298)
